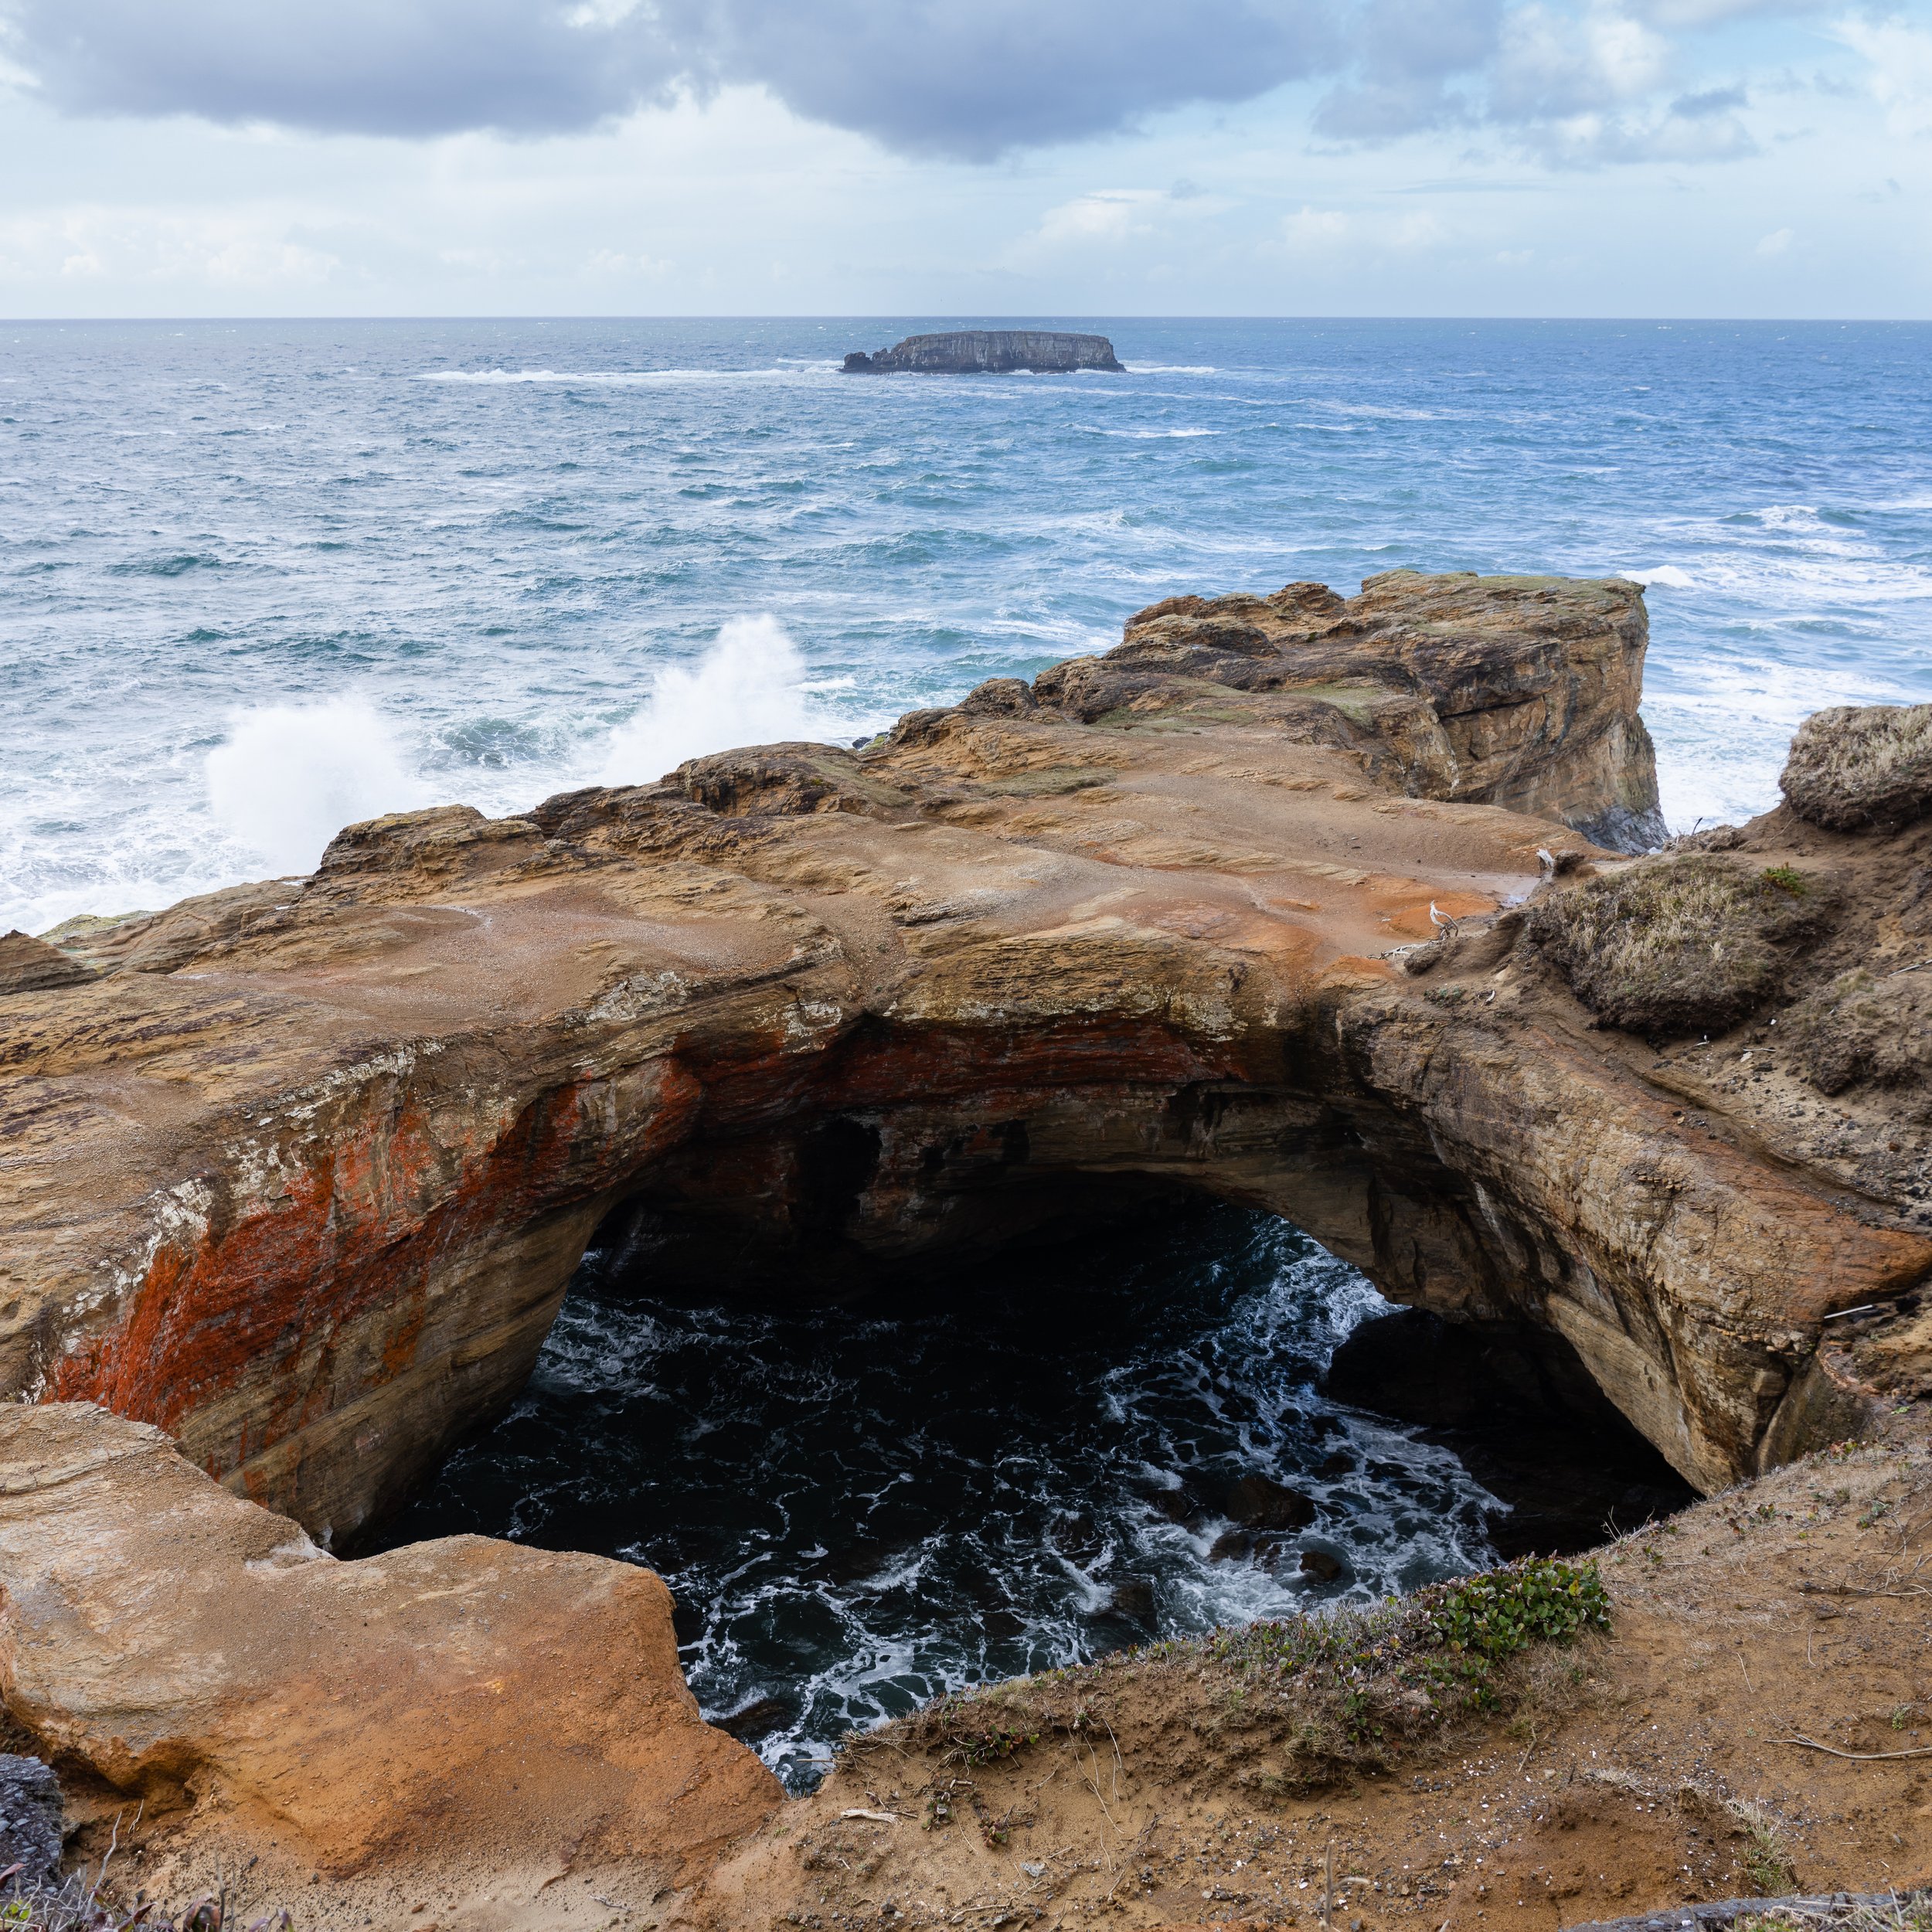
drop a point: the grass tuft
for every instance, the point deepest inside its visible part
(1857, 766)
(1684, 944)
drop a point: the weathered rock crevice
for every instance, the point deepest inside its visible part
(299, 1171)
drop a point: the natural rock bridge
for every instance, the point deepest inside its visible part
(299, 1171)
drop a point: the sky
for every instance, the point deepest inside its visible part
(1010, 157)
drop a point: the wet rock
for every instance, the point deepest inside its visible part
(1319, 1566)
(1180, 1505)
(30, 965)
(1520, 1409)
(758, 1719)
(1259, 1502)
(1133, 1602)
(1075, 1534)
(29, 1817)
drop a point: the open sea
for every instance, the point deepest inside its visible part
(258, 579)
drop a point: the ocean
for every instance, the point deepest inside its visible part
(261, 579)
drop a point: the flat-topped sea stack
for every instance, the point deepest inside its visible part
(988, 351)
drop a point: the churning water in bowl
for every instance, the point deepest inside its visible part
(859, 1508)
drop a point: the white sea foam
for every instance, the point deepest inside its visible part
(748, 688)
(1666, 574)
(622, 377)
(1173, 369)
(1148, 435)
(288, 778)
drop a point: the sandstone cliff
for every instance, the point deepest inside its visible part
(299, 1171)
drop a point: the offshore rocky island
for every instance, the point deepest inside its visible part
(1335, 907)
(988, 351)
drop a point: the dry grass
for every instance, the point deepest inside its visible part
(1862, 1028)
(1856, 766)
(1687, 943)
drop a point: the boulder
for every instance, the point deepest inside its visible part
(452, 1707)
(30, 1819)
(1259, 1502)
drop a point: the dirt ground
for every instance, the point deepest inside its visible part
(1655, 1765)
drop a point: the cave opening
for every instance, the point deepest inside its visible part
(871, 1477)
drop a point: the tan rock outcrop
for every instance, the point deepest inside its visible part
(301, 1176)
(482, 1716)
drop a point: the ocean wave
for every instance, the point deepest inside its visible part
(1147, 435)
(1173, 369)
(621, 378)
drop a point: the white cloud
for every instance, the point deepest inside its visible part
(1901, 62)
(1315, 227)
(1371, 233)
(1776, 242)
(221, 251)
(1110, 215)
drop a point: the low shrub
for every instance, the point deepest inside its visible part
(1856, 766)
(1860, 1029)
(1687, 943)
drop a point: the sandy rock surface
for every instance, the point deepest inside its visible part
(468, 1720)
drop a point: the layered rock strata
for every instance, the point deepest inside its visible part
(299, 1171)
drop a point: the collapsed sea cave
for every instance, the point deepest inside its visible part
(869, 1480)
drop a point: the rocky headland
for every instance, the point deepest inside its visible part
(988, 351)
(1325, 905)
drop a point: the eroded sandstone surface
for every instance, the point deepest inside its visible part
(485, 1718)
(299, 1171)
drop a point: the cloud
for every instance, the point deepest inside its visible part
(257, 250)
(1563, 79)
(919, 76)
(933, 77)
(1901, 78)
(410, 67)
(1776, 242)
(1693, 13)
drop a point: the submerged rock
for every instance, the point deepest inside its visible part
(988, 351)
(1259, 1502)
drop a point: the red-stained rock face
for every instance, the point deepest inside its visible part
(301, 1176)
